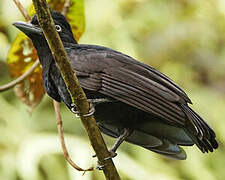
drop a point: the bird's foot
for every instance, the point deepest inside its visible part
(100, 166)
(90, 113)
(112, 155)
(93, 103)
(127, 132)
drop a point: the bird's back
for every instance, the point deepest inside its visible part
(149, 101)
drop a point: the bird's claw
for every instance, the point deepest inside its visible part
(77, 114)
(112, 155)
(100, 166)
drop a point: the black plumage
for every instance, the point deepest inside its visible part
(141, 98)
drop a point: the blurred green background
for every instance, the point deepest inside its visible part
(185, 39)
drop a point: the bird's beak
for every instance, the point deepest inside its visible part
(28, 28)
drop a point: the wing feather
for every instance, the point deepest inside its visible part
(123, 78)
(127, 92)
(135, 79)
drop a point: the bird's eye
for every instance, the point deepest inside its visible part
(58, 28)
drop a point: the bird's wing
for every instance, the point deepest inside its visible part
(141, 92)
(125, 79)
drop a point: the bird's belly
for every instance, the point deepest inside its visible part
(121, 115)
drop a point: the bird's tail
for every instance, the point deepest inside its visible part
(166, 143)
(201, 133)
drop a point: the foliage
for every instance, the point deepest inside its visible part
(184, 39)
(22, 54)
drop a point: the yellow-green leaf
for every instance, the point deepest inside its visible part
(75, 14)
(76, 18)
(20, 58)
(22, 54)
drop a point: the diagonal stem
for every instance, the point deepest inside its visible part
(19, 79)
(36, 63)
(77, 94)
(61, 136)
(22, 10)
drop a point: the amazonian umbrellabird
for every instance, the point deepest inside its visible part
(133, 101)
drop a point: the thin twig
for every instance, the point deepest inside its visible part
(36, 63)
(22, 10)
(19, 79)
(61, 136)
(66, 7)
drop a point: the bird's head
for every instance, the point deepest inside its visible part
(34, 32)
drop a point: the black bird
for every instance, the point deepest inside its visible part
(133, 101)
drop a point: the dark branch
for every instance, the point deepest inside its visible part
(74, 88)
